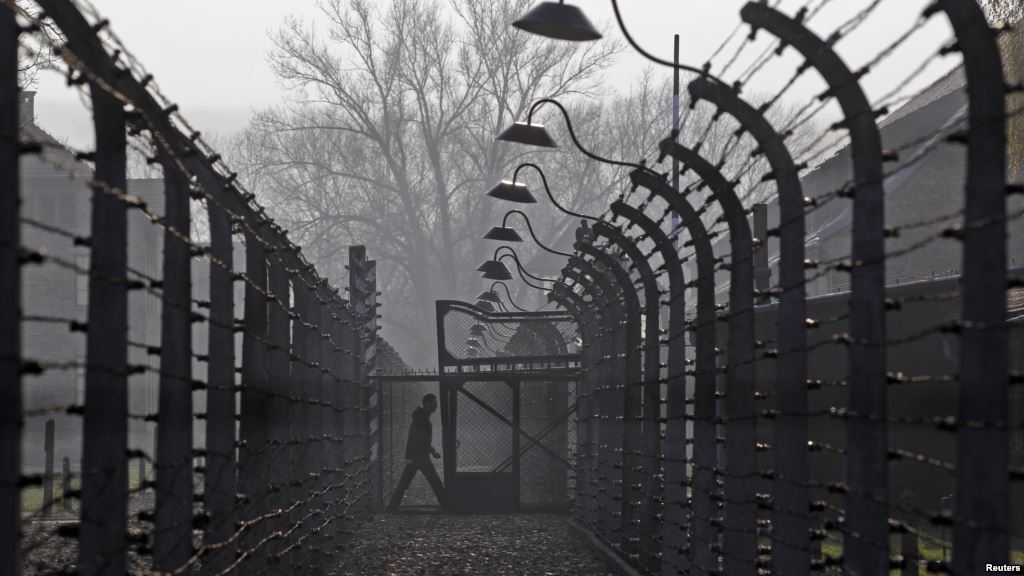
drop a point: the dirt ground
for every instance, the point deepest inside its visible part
(443, 545)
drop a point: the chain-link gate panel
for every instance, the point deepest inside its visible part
(484, 433)
(508, 381)
(547, 453)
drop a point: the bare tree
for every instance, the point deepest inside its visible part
(388, 140)
(389, 137)
(34, 52)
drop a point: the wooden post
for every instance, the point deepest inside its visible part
(48, 473)
(65, 486)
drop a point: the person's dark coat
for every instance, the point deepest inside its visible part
(421, 432)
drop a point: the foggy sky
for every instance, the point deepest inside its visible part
(209, 56)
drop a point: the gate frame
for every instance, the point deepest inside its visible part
(454, 372)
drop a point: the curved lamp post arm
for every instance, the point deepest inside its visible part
(572, 133)
(508, 293)
(703, 71)
(529, 226)
(544, 179)
(523, 273)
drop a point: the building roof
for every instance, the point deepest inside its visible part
(915, 129)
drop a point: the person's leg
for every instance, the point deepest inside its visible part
(430, 473)
(396, 497)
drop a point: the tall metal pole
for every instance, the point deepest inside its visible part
(10, 300)
(676, 119)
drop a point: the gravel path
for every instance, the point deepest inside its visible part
(447, 545)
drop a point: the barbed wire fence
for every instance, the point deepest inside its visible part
(801, 435)
(265, 432)
(791, 430)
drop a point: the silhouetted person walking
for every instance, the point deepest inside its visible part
(418, 450)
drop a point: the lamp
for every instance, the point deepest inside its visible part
(535, 134)
(513, 192)
(503, 234)
(485, 305)
(494, 270)
(529, 134)
(477, 330)
(489, 295)
(567, 22)
(559, 21)
(498, 230)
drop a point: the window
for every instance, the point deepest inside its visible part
(82, 280)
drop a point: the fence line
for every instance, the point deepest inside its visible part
(779, 513)
(281, 477)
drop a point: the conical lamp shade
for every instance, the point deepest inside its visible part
(558, 21)
(497, 275)
(494, 270)
(518, 193)
(490, 296)
(503, 234)
(529, 134)
(477, 330)
(485, 305)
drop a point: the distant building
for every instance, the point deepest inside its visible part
(927, 184)
(53, 293)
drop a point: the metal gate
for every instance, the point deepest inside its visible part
(507, 384)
